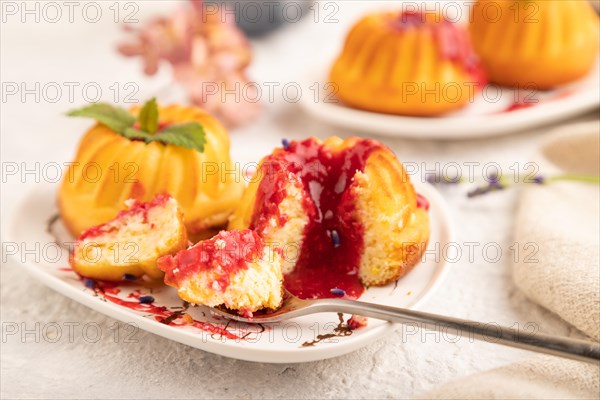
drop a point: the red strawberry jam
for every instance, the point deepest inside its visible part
(452, 41)
(226, 253)
(333, 239)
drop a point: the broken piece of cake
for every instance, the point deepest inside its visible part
(131, 243)
(235, 269)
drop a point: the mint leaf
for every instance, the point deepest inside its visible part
(148, 117)
(189, 135)
(115, 118)
(132, 133)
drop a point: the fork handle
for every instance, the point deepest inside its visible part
(575, 349)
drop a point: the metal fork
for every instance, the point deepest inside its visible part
(293, 307)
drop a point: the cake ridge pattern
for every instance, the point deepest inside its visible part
(109, 169)
(329, 202)
(418, 64)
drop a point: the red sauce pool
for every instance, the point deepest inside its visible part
(110, 291)
(333, 239)
(158, 311)
(517, 105)
(422, 202)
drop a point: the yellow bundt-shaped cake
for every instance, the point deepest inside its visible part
(535, 43)
(343, 212)
(110, 168)
(407, 63)
(234, 269)
(130, 244)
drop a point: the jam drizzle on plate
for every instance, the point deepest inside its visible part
(110, 291)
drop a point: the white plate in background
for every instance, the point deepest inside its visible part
(485, 116)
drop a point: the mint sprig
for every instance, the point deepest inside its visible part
(148, 117)
(190, 135)
(116, 118)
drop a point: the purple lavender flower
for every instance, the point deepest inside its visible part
(129, 277)
(494, 182)
(539, 179)
(441, 179)
(493, 185)
(89, 283)
(337, 292)
(433, 179)
(146, 299)
(335, 238)
(285, 143)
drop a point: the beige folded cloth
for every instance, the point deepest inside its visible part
(541, 377)
(563, 220)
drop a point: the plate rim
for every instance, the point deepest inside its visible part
(426, 128)
(231, 348)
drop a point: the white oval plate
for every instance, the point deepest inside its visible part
(480, 118)
(280, 343)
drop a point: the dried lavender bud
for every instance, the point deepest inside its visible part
(146, 299)
(539, 180)
(433, 179)
(443, 180)
(335, 238)
(89, 283)
(481, 190)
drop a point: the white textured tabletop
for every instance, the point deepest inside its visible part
(38, 365)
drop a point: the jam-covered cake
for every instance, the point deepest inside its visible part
(343, 212)
(234, 268)
(407, 63)
(130, 244)
(535, 43)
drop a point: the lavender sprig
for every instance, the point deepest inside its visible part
(495, 183)
(575, 178)
(443, 180)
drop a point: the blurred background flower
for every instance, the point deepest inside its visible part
(208, 54)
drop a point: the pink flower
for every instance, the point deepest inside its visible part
(209, 55)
